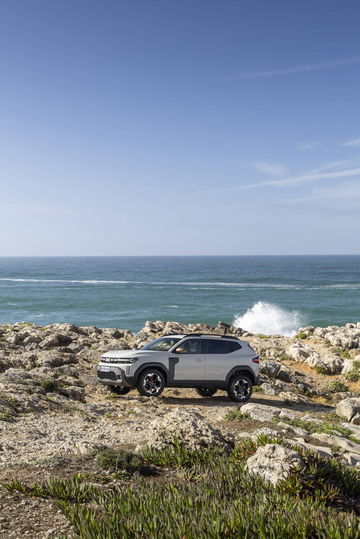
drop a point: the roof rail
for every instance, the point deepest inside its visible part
(203, 335)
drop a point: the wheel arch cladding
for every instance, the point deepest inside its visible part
(236, 371)
(149, 366)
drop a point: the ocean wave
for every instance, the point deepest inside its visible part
(195, 285)
(270, 319)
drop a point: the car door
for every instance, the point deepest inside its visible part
(216, 359)
(191, 360)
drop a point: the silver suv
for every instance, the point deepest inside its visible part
(204, 362)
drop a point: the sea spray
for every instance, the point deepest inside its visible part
(269, 319)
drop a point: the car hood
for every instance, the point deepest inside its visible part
(118, 354)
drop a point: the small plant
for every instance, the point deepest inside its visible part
(118, 462)
(354, 374)
(237, 415)
(261, 336)
(49, 386)
(5, 416)
(345, 354)
(338, 386)
(321, 369)
(301, 335)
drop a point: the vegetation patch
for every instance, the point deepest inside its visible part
(354, 374)
(314, 426)
(338, 386)
(220, 500)
(237, 415)
(301, 336)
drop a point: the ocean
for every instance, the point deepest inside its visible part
(264, 294)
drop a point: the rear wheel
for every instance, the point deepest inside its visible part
(205, 391)
(151, 383)
(119, 390)
(240, 388)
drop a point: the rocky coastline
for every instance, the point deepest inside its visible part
(54, 416)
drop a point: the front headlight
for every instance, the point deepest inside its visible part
(119, 360)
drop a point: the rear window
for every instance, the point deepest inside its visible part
(233, 345)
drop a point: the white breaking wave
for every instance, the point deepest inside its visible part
(269, 319)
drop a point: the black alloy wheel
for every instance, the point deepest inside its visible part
(240, 388)
(151, 383)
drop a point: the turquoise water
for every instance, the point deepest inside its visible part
(274, 293)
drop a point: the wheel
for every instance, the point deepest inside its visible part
(151, 383)
(240, 388)
(119, 390)
(205, 391)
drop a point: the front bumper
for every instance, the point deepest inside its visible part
(113, 376)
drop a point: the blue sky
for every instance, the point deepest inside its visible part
(194, 127)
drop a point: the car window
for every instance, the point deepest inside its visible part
(163, 344)
(217, 347)
(191, 346)
(233, 345)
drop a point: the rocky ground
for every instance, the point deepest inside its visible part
(55, 418)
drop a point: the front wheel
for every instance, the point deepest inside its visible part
(151, 383)
(119, 390)
(205, 391)
(240, 388)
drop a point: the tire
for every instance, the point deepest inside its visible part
(205, 391)
(240, 388)
(151, 383)
(119, 390)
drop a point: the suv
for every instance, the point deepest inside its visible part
(204, 362)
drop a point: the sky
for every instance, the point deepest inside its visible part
(162, 127)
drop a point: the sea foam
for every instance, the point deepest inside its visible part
(269, 319)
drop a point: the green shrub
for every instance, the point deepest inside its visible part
(338, 386)
(301, 336)
(49, 385)
(237, 415)
(223, 501)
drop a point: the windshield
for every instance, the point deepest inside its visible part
(162, 345)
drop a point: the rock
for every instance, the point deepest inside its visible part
(330, 363)
(349, 364)
(331, 439)
(301, 352)
(322, 451)
(260, 412)
(274, 463)
(352, 459)
(258, 432)
(285, 375)
(269, 368)
(188, 429)
(348, 408)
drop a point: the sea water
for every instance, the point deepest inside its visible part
(264, 294)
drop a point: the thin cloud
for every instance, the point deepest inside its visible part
(308, 176)
(353, 142)
(300, 69)
(272, 169)
(308, 145)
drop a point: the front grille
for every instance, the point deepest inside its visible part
(106, 375)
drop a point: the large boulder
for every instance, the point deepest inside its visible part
(187, 428)
(350, 409)
(301, 352)
(274, 462)
(328, 364)
(260, 412)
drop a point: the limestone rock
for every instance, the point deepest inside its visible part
(260, 412)
(348, 408)
(273, 462)
(187, 428)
